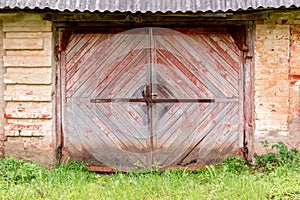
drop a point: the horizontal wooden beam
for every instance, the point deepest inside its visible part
(132, 17)
(107, 169)
(127, 17)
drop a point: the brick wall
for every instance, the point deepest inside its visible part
(294, 83)
(29, 94)
(2, 88)
(277, 70)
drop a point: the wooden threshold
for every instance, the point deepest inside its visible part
(107, 169)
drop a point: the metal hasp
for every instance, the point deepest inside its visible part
(150, 100)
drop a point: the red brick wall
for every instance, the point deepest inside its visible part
(294, 84)
(276, 94)
(2, 88)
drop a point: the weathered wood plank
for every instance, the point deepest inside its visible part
(79, 48)
(198, 147)
(180, 86)
(226, 55)
(197, 66)
(121, 70)
(241, 113)
(105, 55)
(80, 56)
(99, 136)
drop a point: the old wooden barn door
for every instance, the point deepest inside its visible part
(153, 96)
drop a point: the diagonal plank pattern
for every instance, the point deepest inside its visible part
(173, 69)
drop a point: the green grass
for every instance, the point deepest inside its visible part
(233, 180)
(272, 176)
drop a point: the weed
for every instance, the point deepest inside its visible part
(271, 160)
(19, 171)
(137, 165)
(234, 164)
(74, 166)
(155, 166)
(286, 156)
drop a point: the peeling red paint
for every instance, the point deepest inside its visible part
(298, 112)
(88, 131)
(293, 82)
(24, 127)
(7, 115)
(45, 116)
(21, 109)
(294, 76)
(29, 92)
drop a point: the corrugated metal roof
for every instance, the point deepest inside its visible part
(148, 5)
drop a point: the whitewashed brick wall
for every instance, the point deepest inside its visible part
(29, 95)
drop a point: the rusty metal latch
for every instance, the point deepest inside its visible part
(163, 100)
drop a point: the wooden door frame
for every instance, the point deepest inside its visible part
(248, 62)
(246, 46)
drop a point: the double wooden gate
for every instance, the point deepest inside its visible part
(153, 96)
